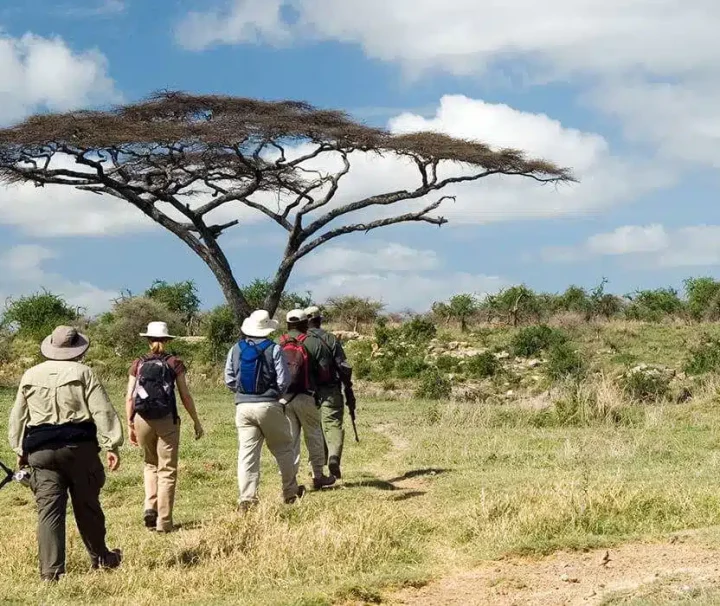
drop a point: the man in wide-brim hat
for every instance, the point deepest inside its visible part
(257, 372)
(61, 419)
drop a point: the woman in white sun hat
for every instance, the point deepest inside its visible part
(257, 372)
(154, 422)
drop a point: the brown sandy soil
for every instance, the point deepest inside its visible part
(671, 569)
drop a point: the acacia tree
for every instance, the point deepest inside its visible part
(181, 158)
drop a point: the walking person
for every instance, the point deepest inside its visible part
(154, 422)
(60, 421)
(301, 407)
(333, 372)
(256, 371)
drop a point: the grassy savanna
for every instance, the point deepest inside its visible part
(433, 488)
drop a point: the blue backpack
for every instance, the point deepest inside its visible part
(253, 368)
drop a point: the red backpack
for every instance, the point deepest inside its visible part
(298, 363)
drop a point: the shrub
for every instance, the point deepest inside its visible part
(120, 328)
(257, 291)
(447, 363)
(419, 330)
(575, 299)
(646, 383)
(704, 357)
(410, 367)
(532, 340)
(180, 298)
(703, 298)
(221, 332)
(434, 386)
(35, 316)
(654, 305)
(564, 362)
(483, 365)
(352, 311)
(513, 305)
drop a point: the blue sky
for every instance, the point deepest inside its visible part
(587, 84)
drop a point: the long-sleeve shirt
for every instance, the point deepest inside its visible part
(280, 376)
(66, 394)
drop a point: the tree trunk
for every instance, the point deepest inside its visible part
(232, 292)
(272, 301)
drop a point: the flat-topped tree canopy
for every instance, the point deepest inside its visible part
(159, 153)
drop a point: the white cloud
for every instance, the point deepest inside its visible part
(564, 36)
(654, 64)
(386, 258)
(650, 246)
(245, 21)
(42, 72)
(22, 272)
(628, 240)
(399, 276)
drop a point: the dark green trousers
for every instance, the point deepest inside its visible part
(75, 471)
(332, 412)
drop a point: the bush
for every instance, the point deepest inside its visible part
(483, 365)
(646, 383)
(564, 362)
(447, 363)
(221, 332)
(257, 291)
(704, 357)
(180, 298)
(654, 305)
(35, 316)
(513, 305)
(120, 328)
(532, 340)
(434, 386)
(703, 298)
(352, 311)
(410, 367)
(419, 330)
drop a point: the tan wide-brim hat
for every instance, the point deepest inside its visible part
(259, 324)
(65, 343)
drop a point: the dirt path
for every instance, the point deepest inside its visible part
(658, 570)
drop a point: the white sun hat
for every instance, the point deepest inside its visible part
(157, 330)
(296, 315)
(313, 312)
(259, 324)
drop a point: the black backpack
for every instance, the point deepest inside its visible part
(154, 396)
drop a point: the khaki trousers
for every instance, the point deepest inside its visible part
(75, 469)
(304, 415)
(256, 423)
(160, 441)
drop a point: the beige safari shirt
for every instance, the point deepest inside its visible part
(55, 393)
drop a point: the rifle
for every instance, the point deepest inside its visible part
(350, 400)
(9, 474)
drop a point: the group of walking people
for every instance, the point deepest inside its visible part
(63, 418)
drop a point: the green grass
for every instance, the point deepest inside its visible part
(420, 500)
(433, 488)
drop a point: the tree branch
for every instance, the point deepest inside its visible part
(420, 215)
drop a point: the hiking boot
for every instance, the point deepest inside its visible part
(323, 482)
(297, 497)
(334, 467)
(150, 518)
(112, 559)
(53, 577)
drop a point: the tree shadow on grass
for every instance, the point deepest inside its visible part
(420, 473)
(375, 482)
(408, 495)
